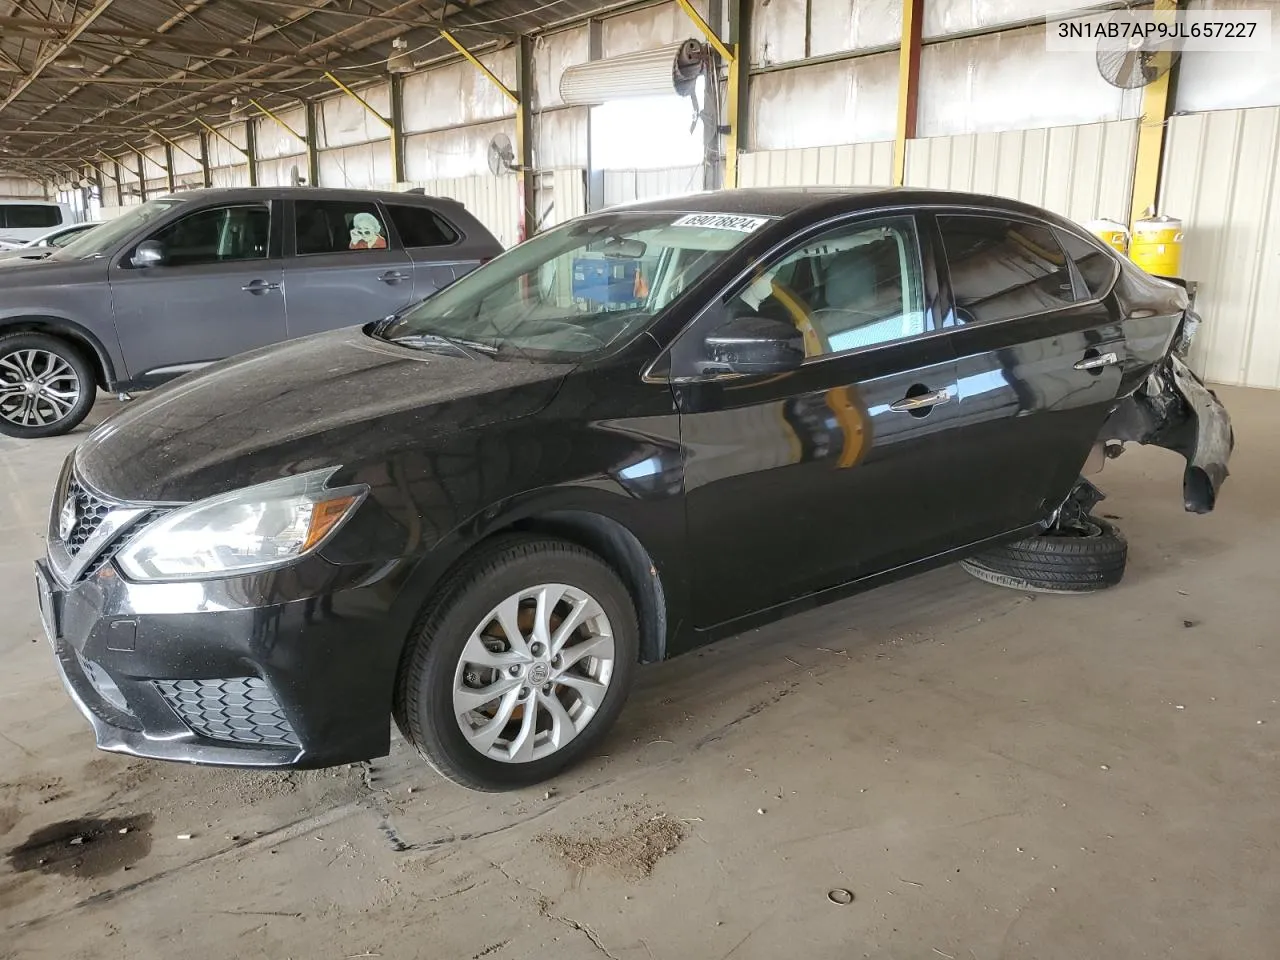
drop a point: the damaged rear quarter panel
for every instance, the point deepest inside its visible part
(1162, 401)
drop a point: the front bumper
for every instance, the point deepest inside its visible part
(293, 669)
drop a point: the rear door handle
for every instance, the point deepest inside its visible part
(259, 286)
(1098, 362)
(921, 402)
(393, 276)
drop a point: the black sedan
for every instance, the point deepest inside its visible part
(641, 431)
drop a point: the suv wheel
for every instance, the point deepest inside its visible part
(46, 386)
(520, 665)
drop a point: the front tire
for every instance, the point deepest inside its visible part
(47, 387)
(519, 665)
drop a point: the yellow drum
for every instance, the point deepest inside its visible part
(1157, 245)
(1113, 234)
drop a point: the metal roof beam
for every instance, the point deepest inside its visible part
(21, 26)
(59, 47)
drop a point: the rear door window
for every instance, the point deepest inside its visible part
(1002, 268)
(28, 216)
(421, 226)
(338, 226)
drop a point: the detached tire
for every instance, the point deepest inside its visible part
(519, 664)
(46, 386)
(1077, 557)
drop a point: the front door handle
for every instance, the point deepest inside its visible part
(1098, 362)
(920, 402)
(259, 287)
(393, 276)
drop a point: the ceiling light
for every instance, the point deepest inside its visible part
(400, 61)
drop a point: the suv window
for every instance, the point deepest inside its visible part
(337, 226)
(421, 227)
(1096, 267)
(217, 235)
(855, 286)
(25, 216)
(1004, 268)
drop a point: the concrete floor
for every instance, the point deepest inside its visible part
(991, 774)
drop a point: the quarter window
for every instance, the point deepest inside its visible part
(217, 235)
(854, 286)
(1096, 267)
(1004, 268)
(338, 226)
(421, 227)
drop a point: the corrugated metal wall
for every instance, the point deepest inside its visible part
(494, 201)
(624, 186)
(1082, 172)
(20, 187)
(850, 164)
(1222, 178)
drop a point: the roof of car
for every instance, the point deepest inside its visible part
(785, 201)
(317, 193)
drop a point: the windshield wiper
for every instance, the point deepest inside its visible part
(469, 347)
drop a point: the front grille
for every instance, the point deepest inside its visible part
(242, 710)
(113, 547)
(90, 512)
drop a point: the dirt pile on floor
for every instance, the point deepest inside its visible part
(632, 854)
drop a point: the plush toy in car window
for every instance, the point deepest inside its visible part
(366, 233)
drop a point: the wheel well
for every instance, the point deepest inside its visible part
(618, 547)
(85, 342)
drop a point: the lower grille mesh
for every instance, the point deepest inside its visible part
(242, 710)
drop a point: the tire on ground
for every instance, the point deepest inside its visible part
(423, 706)
(15, 342)
(1077, 557)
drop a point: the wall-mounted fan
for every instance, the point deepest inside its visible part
(1129, 62)
(296, 178)
(502, 156)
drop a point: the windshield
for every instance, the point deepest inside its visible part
(577, 289)
(100, 240)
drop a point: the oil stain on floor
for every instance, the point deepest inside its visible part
(86, 848)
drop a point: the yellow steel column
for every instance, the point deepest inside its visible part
(908, 85)
(1155, 114)
(730, 53)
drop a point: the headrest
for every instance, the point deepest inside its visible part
(851, 279)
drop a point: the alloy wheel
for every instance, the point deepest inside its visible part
(37, 387)
(533, 673)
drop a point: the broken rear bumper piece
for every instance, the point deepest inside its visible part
(1175, 410)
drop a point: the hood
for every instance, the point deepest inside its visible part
(25, 253)
(335, 398)
(20, 271)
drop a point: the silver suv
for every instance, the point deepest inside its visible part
(188, 279)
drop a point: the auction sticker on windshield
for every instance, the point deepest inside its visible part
(722, 221)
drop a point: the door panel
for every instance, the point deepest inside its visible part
(344, 270)
(1027, 415)
(217, 294)
(1034, 389)
(809, 480)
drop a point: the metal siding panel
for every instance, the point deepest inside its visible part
(1220, 178)
(857, 164)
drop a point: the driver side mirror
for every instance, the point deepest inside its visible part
(149, 253)
(751, 344)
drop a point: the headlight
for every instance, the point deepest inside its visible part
(251, 529)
